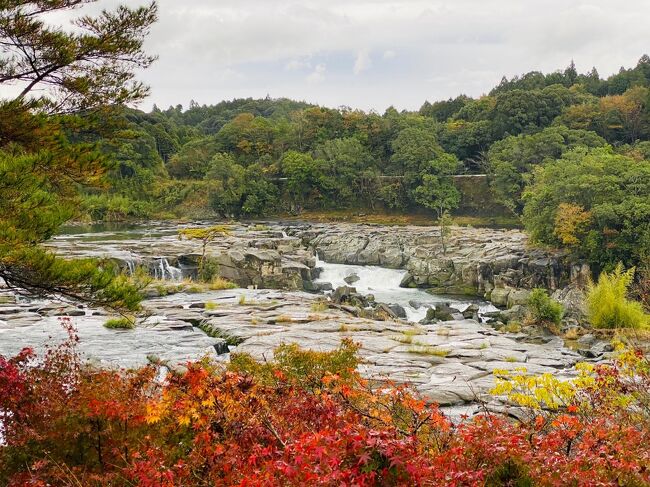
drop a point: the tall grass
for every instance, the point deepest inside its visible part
(608, 305)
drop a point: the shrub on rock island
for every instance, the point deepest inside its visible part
(543, 308)
(608, 305)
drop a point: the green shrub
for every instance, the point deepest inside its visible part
(305, 367)
(108, 207)
(209, 269)
(607, 303)
(219, 284)
(543, 309)
(123, 323)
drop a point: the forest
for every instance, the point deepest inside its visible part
(536, 134)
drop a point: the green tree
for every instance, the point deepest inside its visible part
(260, 195)
(511, 160)
(614, 190)
(412, 148)
(436, 190)
(193, 159)
(229, 180)
(87, 67)
(349, 164)
(304, 178)
(520, 111)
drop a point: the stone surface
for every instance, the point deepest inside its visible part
(449, 362)
(495, 263)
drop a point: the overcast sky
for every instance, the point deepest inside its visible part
(371, 54)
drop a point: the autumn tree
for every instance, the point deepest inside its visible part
(571, 223)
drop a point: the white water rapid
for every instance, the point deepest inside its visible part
(384, 283)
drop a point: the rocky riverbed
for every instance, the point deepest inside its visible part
(495, 264)
(408, 334)
(450, 362)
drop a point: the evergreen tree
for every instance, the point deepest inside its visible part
(44, 159)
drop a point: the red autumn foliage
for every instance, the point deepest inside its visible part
(307, 419)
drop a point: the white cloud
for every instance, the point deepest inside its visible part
(318, 74)
(444, 47)
(296, 65)
(362, 63)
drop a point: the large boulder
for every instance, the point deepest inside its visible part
(264, 268)
(349, 295)
(471, 312)
(442, 312)
(573, 300)
(499, 296)
(518, 297)
(399, 311)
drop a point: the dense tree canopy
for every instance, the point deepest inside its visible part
(594, 200)
(248, 158)
(512, 159)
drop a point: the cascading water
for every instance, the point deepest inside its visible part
(384, 285)
(164, 270)
(131, 265)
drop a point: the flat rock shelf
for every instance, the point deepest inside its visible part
(448, 362)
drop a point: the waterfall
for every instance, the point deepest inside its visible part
(384, 284)
(164, 270)
(130, 266)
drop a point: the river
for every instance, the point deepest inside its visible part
(384, 285)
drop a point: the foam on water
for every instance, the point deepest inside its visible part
(384, 285)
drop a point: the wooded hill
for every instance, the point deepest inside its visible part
(254, 158)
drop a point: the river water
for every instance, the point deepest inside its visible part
(153, 243)
(384, 285)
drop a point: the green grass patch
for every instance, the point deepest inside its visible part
(219, 283)
(319, 306)
(123, 323)
(427, 350)
(512, 327)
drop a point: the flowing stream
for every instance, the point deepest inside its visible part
(384, 285)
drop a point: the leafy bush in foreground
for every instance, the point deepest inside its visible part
(307, 419)
(608, 305)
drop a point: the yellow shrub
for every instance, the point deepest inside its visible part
(607, 303)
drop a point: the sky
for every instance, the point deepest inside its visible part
(371, 54)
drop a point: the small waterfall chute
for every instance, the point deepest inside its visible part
(165, 271)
